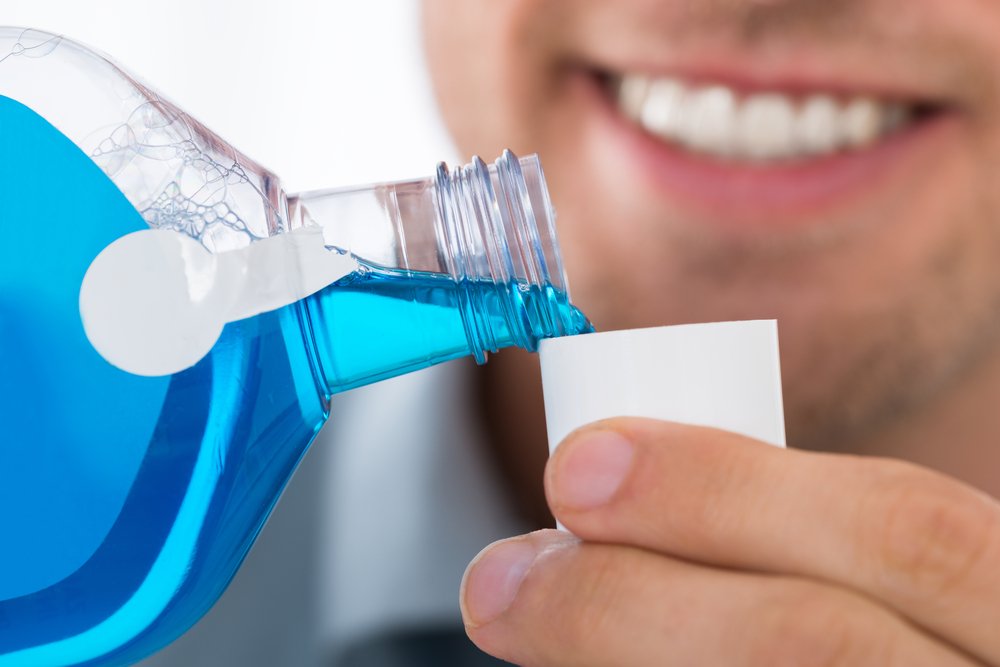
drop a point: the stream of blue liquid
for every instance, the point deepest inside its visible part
(127, 503)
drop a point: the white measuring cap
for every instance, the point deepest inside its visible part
(724, 375)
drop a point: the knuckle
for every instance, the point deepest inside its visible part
(815, 627)
(599, 592)
(608, 602)
(576, 609)
(932, 534)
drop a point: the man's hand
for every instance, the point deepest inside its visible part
(700, 547)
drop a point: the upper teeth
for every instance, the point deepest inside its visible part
(763, 126)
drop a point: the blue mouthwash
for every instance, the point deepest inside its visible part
(127, 501)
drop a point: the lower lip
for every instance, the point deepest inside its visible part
(772, 196)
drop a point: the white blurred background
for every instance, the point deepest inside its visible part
(322, 93)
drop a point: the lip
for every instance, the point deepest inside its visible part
(769, 197)
(786, 68)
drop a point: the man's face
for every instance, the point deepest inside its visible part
(831, 164)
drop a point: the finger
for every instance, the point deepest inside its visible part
(547, 599)
(923, 544)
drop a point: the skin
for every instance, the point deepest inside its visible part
(889, 311)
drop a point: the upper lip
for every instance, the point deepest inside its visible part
(803, 76)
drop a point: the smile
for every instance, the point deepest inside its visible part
(718, 121)
(747, 154)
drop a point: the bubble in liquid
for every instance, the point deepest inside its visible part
(177, 174)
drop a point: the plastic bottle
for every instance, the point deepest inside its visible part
(128, 500)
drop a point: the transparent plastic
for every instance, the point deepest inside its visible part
(127, 503)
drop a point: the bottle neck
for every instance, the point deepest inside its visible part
(497, 226)
(466, 263)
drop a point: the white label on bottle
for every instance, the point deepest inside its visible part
(155, 302)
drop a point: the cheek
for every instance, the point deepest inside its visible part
(908, 308)
(464, 44)
(495, 69)
(613, 254)
(940, 239)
